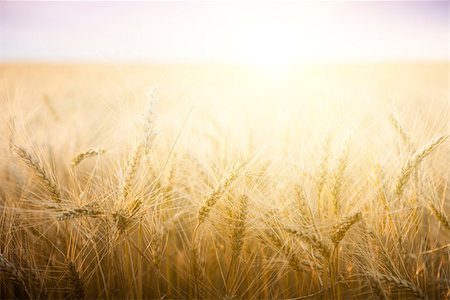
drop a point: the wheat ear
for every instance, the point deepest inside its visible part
(401, 283)
(34, 165)
(314, 241)
(340, 229)
(213, 197)
(13, 272)
(9, 268)
(149, 121)
(76, 284)
(287, 250)
(323, 168)
(78, 212)
(440, 215)
(377, 288)
(156, 245)
(338, 175)
(125, 215)
(413, 161)
(86, 154)
(303, 206)
(237, 236)
(132, 170)
(401, 132)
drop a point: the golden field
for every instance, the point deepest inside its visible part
(225, 182)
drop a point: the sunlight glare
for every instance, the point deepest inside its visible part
(269, 47)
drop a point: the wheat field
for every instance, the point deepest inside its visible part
(221, 182)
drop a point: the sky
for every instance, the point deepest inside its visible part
(223, 32)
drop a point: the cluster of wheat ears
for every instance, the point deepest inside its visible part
(151, 223)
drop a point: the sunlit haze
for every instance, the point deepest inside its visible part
(225, 150)
(265, 34)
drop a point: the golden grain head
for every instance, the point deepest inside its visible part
(174, 216)
(339, 230)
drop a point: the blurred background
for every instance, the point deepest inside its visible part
(270, 34)
(249, 68)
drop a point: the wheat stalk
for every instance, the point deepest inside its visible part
(337, 181)
(214, 196)
(401, 283)
(405, 138)
(86, 154)
(238, 232)
(125, 215)
(156, 246)
(440, 215)
(9, 268)
(381, 197)
(377, 288)
(143, 146)
(39, 171)
(303, 206)
(132, 170)
(323, 168)
(314, 241)
(339, 230)
(149, 121)
(286, 249)
(75, 282)
(11, 132)
(197, 269)
(78, 212)
(413, 161)
(14, 273)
